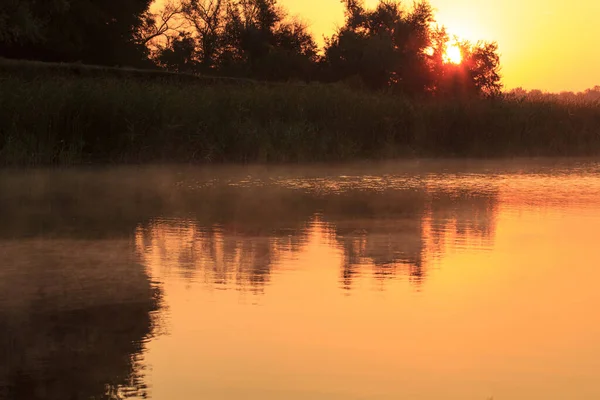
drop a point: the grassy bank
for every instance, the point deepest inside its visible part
(37, 69)
(55, 117)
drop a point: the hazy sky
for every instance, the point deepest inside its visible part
(545, 44)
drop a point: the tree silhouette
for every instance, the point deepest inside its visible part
(245, 38)
(260, 42)
(390, 46)
(91, 31)
(478, 73)
(179, 55)
(206, 20)
(387, 47)
(160, 26)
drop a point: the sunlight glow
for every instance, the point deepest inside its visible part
(453, 54)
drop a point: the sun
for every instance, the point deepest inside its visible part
(453, 54)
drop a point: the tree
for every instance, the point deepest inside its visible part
(477, 74)
(157, 28)
(91, 31)
(259, 41)
(390, 46)
(249, 38)
(483, 64)
(206, 21)
(187, 31)
(179, 55)
(384, 46)
(24, 20)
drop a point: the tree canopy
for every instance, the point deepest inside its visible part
(89, 31)
(391, 46)
(387, 47)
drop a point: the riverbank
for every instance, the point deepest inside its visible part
(61, 118)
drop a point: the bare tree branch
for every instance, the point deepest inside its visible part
(206, 17)
(168, 20)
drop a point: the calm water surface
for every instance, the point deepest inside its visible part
(420, 280)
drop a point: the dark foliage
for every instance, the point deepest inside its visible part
(259, 42)
(392, 46)
(389, 46)
(89, 31)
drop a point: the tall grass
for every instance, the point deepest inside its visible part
(65, 119)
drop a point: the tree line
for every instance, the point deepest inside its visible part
(390, 47)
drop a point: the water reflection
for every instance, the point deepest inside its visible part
(211, 254)
(234, 232)
(74, 319)
(388, 235)
(392, 283)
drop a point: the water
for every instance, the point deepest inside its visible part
(417, 280)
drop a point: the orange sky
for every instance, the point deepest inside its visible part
(545, 44)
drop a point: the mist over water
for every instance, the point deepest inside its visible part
(420, 280)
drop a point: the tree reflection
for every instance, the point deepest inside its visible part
(385, 234)
(398, 236)
(462, 215)
(74, 318)
(220, 255)
(234, 233)
(379, 230)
